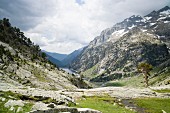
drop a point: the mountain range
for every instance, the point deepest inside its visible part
(30, 81)
(63, 60)
(117, 51)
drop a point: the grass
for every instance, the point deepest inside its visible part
(115, 84)
(135, 81)
(154, 105)
(159, 78)
(104, 104)
(40, 75)
(163, 91)
(14, 96)
(89, 73)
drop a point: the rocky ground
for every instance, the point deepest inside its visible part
(59, 100)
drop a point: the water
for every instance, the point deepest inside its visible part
(68, 70)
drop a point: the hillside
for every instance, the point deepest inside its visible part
(70, 57)
(26, 70)
(116, 52)
(54, 61)
(57, 56)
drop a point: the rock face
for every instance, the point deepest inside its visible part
(118, 50)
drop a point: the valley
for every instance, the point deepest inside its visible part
(108, 75)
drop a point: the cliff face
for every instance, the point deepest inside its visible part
(119, 49)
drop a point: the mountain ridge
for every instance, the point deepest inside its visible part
(124, 37)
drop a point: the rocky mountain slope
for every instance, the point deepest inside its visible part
(23, 63)
(28, 81)
(116, 52)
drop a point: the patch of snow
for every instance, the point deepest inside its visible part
(143, 20)
(161, 18)
(127, 20)
(149, 34)
(151, 24)
(117, 34)
(138, 21)
(165, 12)
(166, 21)
(148, 18)
(131, 26)
(144, 30)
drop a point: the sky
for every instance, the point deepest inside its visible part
(63, 26)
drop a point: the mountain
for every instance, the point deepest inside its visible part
(65, 60)
(70, 57)
(24, 64)
(55, 61)
(116, 52)
(57, 56)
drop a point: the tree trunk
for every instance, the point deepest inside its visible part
(146, 79)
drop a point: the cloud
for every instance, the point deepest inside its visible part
(65, 25)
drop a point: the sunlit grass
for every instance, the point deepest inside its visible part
(104, 104)
(154, 105)
(163, 91)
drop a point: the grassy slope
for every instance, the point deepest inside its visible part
(138, 81)
(89, 73)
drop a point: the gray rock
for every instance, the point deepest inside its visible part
(12, 68)
(14, 103)
(22, 73)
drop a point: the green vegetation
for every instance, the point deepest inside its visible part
(13, 96)
(161, 76)
(145, 68)
(104, 104)
(154, 105)
(115, 84)
(90, 72)
(39, 75)
(135, 81)
(163, 91)
(16, 39)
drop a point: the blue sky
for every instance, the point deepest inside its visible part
(63, 26)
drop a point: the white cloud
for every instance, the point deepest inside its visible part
(65, 25)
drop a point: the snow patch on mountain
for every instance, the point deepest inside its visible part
(117, 34)
(148, 18)
(167, 12)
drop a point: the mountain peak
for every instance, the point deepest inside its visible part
(164, 9)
